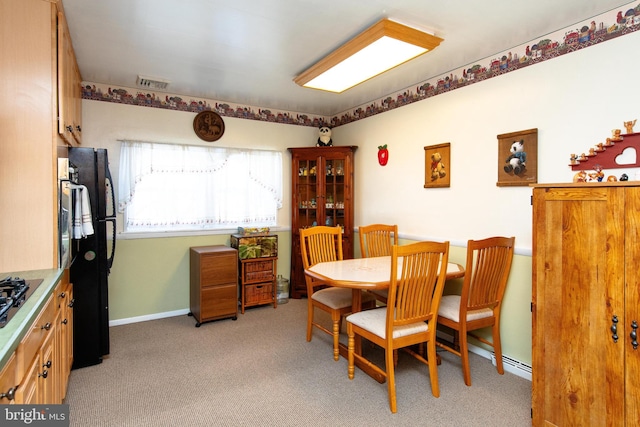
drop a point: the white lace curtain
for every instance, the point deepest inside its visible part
(166, 187)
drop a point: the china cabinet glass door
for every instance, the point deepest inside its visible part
(322, 189)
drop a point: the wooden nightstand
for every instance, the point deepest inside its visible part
(213, 283)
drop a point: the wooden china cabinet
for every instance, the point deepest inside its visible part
(322, 189)
(586, 304)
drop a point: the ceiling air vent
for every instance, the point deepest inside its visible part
(152, 83)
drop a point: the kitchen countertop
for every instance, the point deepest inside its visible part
(18, 326)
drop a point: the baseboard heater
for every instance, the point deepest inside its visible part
(514, 366)
(509, 364)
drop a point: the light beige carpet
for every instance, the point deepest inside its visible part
(259, 371)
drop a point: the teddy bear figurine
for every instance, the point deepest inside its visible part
(580, 177)
(324, 137)
(517, 160)
(437, 167)
(615, 135)
(629, 126)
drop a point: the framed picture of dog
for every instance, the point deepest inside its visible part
(518, 158)
(437, 165)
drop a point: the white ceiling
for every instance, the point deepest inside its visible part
(248, 52)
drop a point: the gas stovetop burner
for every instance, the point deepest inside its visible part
(13, 288)
(14, 291)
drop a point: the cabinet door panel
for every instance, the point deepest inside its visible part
(48, 381)
(27, 392)
(217, 269)
(578, 288)
(632, 305)
(219, 301)
(69, 95)
(9, 381)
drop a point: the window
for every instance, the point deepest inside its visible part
(172, 187)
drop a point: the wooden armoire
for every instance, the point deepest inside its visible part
(586, 304)
(322, 187)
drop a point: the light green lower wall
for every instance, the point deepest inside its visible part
(515, 324)
(151, 276)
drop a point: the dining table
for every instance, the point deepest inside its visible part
(361, 274)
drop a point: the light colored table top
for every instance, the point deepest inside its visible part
(366, 273)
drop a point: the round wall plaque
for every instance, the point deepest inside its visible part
(208, 125)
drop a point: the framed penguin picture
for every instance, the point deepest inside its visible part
(437, 165)
(518, 158)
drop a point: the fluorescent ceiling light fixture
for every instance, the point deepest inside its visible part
(381, 47)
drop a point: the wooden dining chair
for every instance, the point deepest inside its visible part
(377, 240)
(323, 244)
(478, 305)
(411, 313)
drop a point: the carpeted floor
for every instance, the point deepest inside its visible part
(259, 370)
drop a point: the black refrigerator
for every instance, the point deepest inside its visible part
(92, 258)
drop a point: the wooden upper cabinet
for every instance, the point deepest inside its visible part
(69, 86)
(586, 243)
(28, 152)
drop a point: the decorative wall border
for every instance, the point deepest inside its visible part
(601, 28)
(132, 96)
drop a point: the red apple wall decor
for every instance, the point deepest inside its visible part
(383, 154)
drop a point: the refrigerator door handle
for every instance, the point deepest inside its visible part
(112, 220)
(113, 197)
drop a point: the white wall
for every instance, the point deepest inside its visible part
(574, 101)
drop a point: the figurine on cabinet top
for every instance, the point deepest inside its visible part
(324, 137)
(615, 135)
(597, 174)
(580, 177)
(629, 126)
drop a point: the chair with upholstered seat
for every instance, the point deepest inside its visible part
(377, 240)
(411, 313)
(324, 244)
(478, 305)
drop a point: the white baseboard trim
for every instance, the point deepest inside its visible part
(509, 364)
(148, 317)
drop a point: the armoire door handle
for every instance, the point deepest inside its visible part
(614, 328)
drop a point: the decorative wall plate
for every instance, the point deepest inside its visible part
(208, 125)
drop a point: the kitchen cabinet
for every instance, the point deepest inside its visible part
(9, 382)
(586, 304)
(37, 360)
(64, 335)
(69, 87)
(32, 144)
(48, 371)
(322, 189)
(213, 283)
(37, 371)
